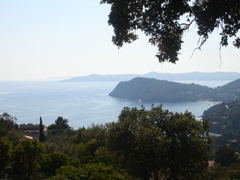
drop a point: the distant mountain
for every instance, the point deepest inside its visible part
(101, 78)
(211, 76)
(206, 76)
(153, 90)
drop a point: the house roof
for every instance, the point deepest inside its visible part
(30, 127)
(211, 163)
(25, 137)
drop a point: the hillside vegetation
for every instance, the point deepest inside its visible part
(153, 90)
(224, 117)
(141, 145)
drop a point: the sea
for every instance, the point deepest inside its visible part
(83, 104)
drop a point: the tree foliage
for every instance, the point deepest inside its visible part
(5, 153)
(53, 161)
(163, 22)
(27, 156)
(102, 172)
(143, 144)
(41, 135)
(157, 141)
(61, 126)
(225, 156)
(70, 172)
(7, 123)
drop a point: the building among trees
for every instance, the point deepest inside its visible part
(32, 130)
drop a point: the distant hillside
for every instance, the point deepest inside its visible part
(213, 76)
(228, 92)
(153, 90)
(224, 117)
(101, 78)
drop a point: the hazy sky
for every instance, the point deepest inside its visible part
(42, 39)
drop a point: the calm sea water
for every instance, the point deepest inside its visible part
(82, 103)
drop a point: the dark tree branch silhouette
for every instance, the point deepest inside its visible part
(161, 20)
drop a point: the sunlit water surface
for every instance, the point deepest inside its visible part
(82, 103)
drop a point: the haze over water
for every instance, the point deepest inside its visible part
(82, 103)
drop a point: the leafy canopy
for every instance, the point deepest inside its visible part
(162, 21)
(7, 123)
(157, 141)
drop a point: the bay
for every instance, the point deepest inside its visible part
(82, 103)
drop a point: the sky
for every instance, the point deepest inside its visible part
(59, 39)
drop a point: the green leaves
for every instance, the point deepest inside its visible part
(54, 161)
(70, 172)
(225, 156)
(7, 123)
(160, 20)
(158, 141)
(60, 127)
(5, 153)
(102, 172)
(88, 171)
(27, 156)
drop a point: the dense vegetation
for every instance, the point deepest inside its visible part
(153, 90)
(228, 92)
(224, 117)
(141, 145)
(225, 120)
